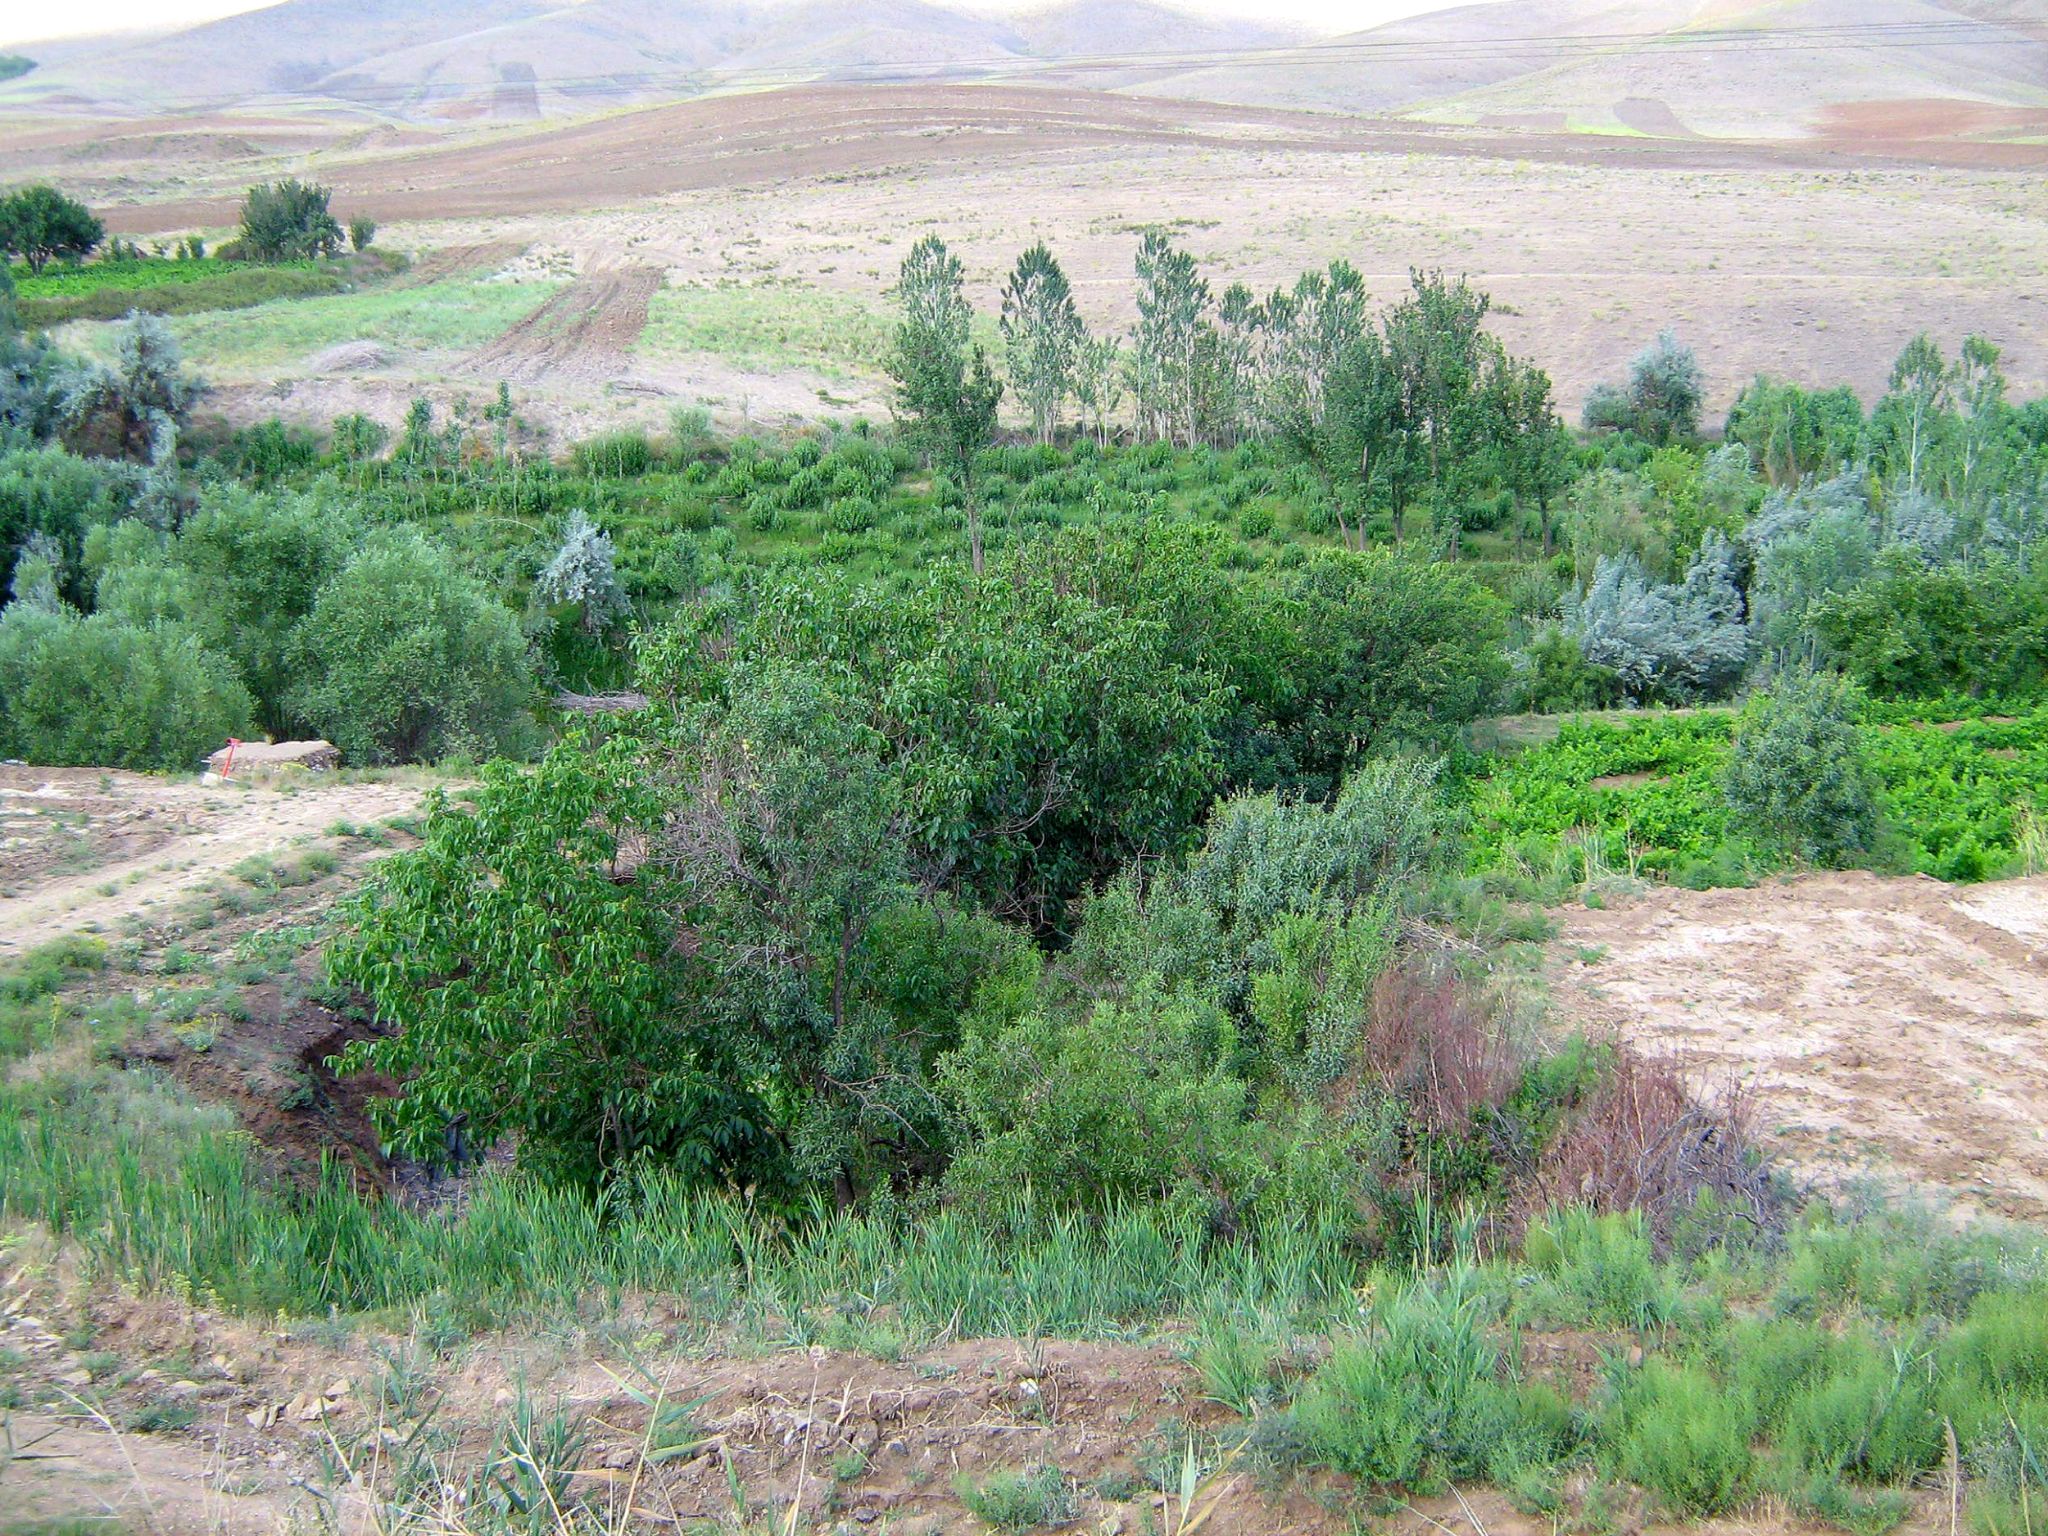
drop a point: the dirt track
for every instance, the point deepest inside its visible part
(584, 333)
(1893, 1027)
(84, 849)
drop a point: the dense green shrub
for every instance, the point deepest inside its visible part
(1919, 631)
(1796, 772)
(95, 690)
(1683, 1437)
(1421, 1398)
(620, 455)
(405, 658)
(1129, 1100)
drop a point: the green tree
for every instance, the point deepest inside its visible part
(289, 221)
(1167, 347)
(39, 224)
(1385, 651)
(50, 492)
(535, 991)
(1977, 390)
(1794, 434)
(260, 559)
(1666, 390)
(1368, 446)
(1438, 357)
(1912, 631)
(946, 392)
(1043, 337)
(1909, 419)
(1797, 772)
(1310, 331)
(826, 968)
(405, 658)
(98, 691)
(1530, 444)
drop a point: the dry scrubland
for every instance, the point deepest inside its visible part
(737, 252)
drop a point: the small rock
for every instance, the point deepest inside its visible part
(75, 1379)
(182, 1389)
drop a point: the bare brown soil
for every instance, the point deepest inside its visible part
(583, 333)
(86, 849)
(1895, 1028)
(458, 261)
(837, 130)
(1972, 132)
(815, 1440)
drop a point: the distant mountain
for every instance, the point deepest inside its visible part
(518, 58)
(1734, 68)
(1855, 70)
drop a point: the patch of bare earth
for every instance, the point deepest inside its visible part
(84, 849)
(586, 331)
(812, 1440)
(1895, 1027)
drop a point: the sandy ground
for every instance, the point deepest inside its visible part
(1893, 1027)
(82, 850)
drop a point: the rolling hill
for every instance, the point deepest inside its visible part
(521, 58)
(1854, 71)
(1669, 68)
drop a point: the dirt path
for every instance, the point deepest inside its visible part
(1893, 1026)
(83, 849)
(76, 1469)
(585, 332)
(458, 261)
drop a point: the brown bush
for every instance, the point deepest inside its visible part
(1644, 1140)
(1438, 1045)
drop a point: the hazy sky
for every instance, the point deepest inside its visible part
(24, 22)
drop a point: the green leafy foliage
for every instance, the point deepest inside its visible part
(40, 224)
(404, 656)
(95, 690)
(533, 988)
(289, 221)
(1796, 774)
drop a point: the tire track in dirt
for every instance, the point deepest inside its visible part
(586, 332)
(458, 261)
(1895, 1027)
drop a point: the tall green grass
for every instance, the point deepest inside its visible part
(167, 1196)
